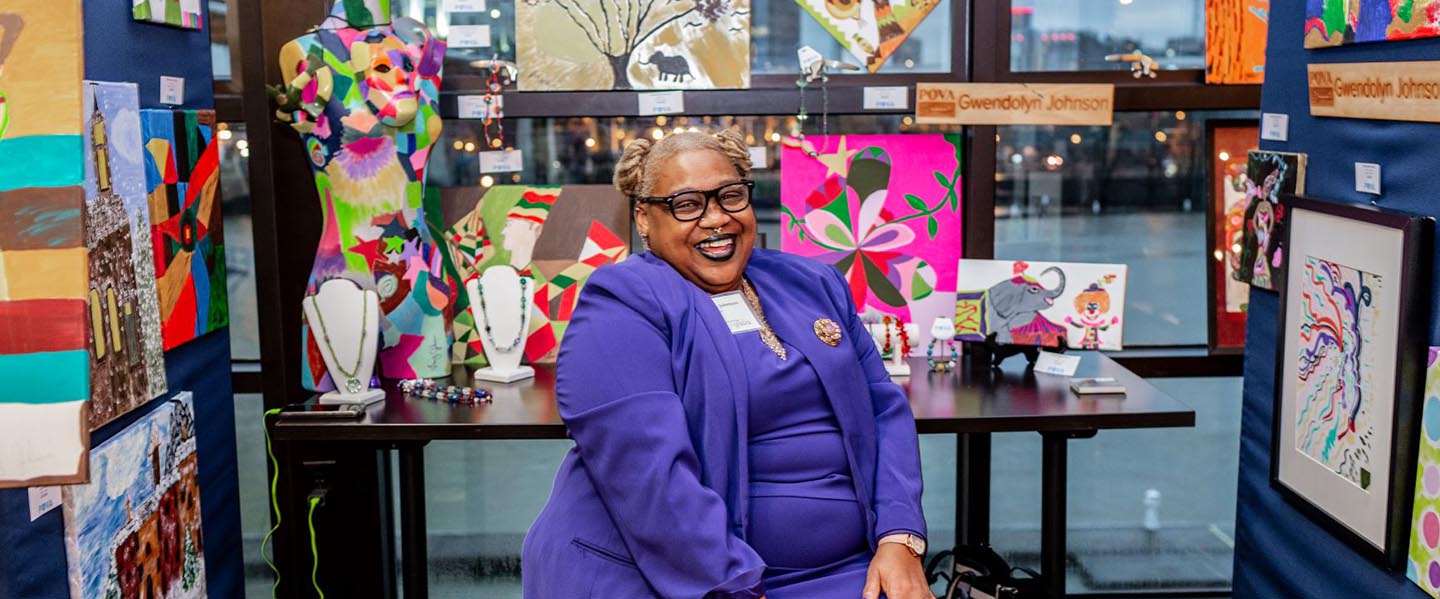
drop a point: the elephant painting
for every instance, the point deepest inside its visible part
(1016, 308)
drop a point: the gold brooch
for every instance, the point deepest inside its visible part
(828, 331)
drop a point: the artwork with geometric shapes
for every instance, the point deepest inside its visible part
(126, 351)
(567, 45)
(1423, 565)
(557, 234)
(44, 360)
(364, 96)
(185, 14)
(182, 161)
(1338, 22)
(1262, 255)
(886, 211)
(1235, 38)
(1228, 144)
(135, 529)
(1048, 304)
(872, 30)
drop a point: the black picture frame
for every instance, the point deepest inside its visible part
(1216, 348)
(1417, 245)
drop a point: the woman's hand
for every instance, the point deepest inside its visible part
(897, 573)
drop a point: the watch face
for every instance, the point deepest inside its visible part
(916, 545)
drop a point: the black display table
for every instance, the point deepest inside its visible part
(970, 403)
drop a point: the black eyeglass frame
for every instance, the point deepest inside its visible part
(713, 194)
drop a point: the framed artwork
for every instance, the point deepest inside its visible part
(185, 14)
(1270, 176)
(885, 210)
(1235, 38)
(1350, 371)
(1227, 143)
(568, 45)
(557, 234)
(1049, 304)
(135, 529)
(1423, 564)
(871, 30)
(1338, 22)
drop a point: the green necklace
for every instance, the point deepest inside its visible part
(353, 384)
(524, 307)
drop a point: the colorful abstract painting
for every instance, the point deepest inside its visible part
(557, 234)
(135, 529)
(1235, 37)
(564, 45)
(1262, 255)
(182, 172)
(1049, 304)
(364, 97)
(126, 349)
(44, 363)
(1229, 147)
(179, 13)
(1423, 565)
(870, 29)
(1338, 22)
(886, 211)
(1332, 414)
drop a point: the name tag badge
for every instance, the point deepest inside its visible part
(736, 312)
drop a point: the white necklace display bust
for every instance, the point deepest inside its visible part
(346, 321)
(500, 300)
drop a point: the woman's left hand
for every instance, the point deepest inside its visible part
(897, 573)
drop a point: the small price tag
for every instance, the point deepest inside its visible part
(886, 98)
(759, 157)
(1275, 127)
(736, 312)
(653, 103)
(808, 56)
(1057, 364)
(172, 90)
(1367, 178)
(502, 161)
(469, 36)
(465, 5)
(42, 500)
(480, 107)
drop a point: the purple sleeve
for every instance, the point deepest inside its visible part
(897, 470)
(617, 395)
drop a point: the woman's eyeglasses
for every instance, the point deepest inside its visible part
(691, 205)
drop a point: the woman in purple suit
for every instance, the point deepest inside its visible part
(736, 435)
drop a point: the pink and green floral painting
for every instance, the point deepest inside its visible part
(886, 211)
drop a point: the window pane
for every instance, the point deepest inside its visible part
(239, 241)
(1132, 193)
(1077, 35)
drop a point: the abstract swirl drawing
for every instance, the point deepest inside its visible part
(1333, 384)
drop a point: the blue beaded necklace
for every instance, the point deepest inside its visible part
(524, 308)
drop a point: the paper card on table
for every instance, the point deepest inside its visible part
(42, 500)
(480, 106)
(887, 98)
(172, 90)
(502, 161)
(655, 103)
(1057, 364)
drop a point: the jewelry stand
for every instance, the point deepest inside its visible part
(501, 291)
(898, 366)
(333, 313)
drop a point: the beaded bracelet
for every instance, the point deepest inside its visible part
(936, 366)
(429, 389)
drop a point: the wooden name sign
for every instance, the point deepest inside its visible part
(1391, 91)
(1014, 104)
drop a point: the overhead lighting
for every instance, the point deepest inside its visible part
(1075, 138)
(459, 145)
(1160, 136)
(657, 134)
(225, 134)
(487, 181)
(1224, 156)
(590, 142)
(469, 146)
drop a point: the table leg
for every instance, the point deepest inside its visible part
(412, 521)
(972, 489)
(1054, 490)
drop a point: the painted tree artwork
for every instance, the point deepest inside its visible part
(1423, 565)
(885, 210)
(135, 529)
(566, 45)
(182, 172)
(1262, 252)
(1339, 22)
(1047, 304)
(872, 30)
(1332, 418)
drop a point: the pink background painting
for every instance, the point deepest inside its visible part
(885, 209)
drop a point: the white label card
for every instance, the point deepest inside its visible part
(172, 90)
(1367, 178)
(1275, 127)
(42, 500)
(759, 157)
(502, 161)
(653, 103)
(465, 5)
(480, 107)
(1057, 364)
(736, 312)
(469, 36)
(887, 98)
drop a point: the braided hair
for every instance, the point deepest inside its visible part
(635, 175)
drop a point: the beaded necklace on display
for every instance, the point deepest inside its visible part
(767, 335)
(429, 389)
(938, 366)
(524, 309)
(353, 384)
(886, 350)
(904, 338)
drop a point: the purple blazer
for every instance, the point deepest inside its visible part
(653, 499)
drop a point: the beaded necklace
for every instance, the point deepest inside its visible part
(524, 307)
(352, 382)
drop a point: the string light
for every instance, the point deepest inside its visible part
(469, 146)
(487, 181)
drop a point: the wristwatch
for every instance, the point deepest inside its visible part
(914, 543)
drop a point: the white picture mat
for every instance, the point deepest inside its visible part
(40, 439)
(1376, 250)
